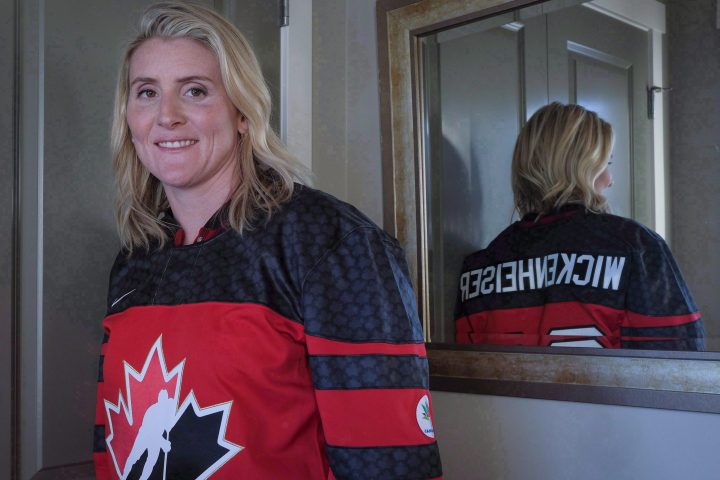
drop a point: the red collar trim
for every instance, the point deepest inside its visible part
(531, 219)
(215, 225)
(203, 235)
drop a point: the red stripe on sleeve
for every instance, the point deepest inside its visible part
(377, 417)
(533, 325)
(638, 320)
(102, 472)
(536, 322)
(323, 346)
(463, 330)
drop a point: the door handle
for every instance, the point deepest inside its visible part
(651, 91)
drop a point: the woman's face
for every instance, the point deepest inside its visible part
(603, 181)
(183, 125)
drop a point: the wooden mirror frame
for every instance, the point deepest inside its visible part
(670, 380)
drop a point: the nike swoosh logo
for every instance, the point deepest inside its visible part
(120, 298)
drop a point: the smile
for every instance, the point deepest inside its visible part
(177, 143)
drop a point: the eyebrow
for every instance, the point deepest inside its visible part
(191, 78)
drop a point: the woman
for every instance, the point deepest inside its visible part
(256, 328)
(569, 273)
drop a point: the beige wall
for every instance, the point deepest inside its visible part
(486, 437)
(694, 41)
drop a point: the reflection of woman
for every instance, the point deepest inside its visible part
(279, 321)
(569, 273)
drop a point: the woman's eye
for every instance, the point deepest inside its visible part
(146, 93)
(195, 92)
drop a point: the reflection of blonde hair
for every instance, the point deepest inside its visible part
(266, 171)
(559, 154)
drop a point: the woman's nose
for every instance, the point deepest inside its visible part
(170, 114)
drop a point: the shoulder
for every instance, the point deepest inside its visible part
(499, 247)
(320, 217)
(597, 231)
(314, 224)
(579, 232)
(633, 233)
(310, 205)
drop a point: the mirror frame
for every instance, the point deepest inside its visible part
(687, 381)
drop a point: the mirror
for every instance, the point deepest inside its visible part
(484, 79)
(445, 64)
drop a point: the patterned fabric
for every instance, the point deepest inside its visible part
(292, 351)
(369, 371)
(416, 462)
(577, 279)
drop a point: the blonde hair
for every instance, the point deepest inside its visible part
(559, 154)
(266, 170)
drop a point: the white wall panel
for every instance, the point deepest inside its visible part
(485, 437)
(345, 110)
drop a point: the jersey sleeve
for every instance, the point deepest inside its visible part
(368, 361)
(661, 313)
(100, 455)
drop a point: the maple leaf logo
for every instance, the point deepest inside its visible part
(422, 413)
(426, 410)
(152, 437)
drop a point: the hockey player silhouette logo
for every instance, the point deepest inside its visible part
(154, 436)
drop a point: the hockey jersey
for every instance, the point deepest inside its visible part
(575, 278)
(291, 351)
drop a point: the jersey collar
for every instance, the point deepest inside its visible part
(217, 224)
(567, 210)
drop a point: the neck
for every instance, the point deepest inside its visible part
(192, 210)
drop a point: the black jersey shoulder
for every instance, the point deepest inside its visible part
(580, 233)
(583, 232)
(264, 265)
(316, 221)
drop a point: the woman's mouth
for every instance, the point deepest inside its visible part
(176, 143)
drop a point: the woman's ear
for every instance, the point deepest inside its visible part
(242, 124)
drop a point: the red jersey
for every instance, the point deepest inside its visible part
(291, 351)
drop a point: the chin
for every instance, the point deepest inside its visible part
(175, 182)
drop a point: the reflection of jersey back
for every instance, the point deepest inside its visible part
(577, 279)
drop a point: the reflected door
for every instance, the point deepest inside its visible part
(602, 63)
(482, 81)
